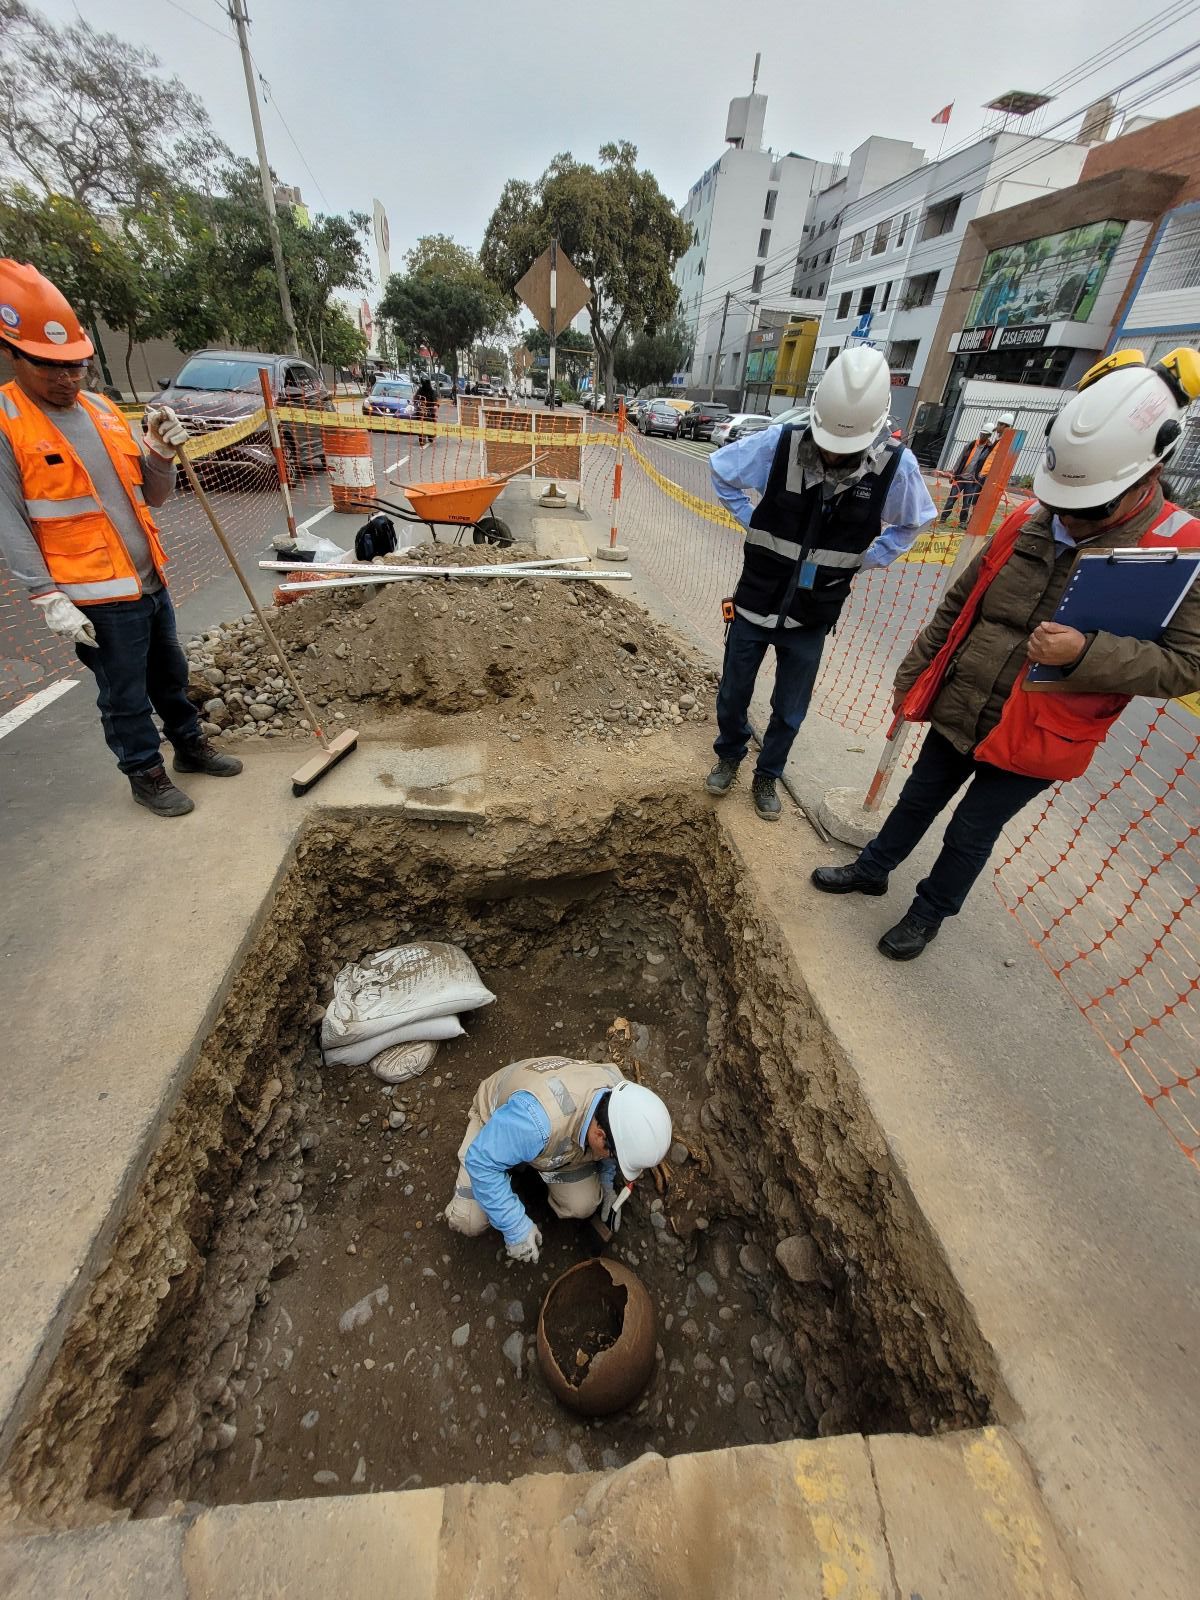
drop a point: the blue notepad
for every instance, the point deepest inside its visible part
(1131, 592)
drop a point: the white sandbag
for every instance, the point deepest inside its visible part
(353, 1055)
(406, 984)
(400, 1062)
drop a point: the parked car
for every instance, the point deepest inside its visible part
(794, 414)
(215, 388)
(738, 426)
(390, 397)
(698, 422)
(660, 416)
(444, 384)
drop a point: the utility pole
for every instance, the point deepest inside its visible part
(237, 11)
(712, 388)
(553, 320)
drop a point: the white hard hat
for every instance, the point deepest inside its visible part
(1107, 438)
(1006, 420)
(852, 401)
(641, 1128)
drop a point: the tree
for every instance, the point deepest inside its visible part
(653, 358)
(575, 350)
(84, 114)
(443, 300)
(616, 225)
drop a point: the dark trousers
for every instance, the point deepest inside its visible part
(993, 798)
(970, 490)
(139, 666)
(797, 658)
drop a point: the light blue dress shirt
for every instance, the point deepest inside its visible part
(746, 464)
(516, 1134)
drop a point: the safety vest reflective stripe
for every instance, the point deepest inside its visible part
(837, 558)
(108, 589)
(771, 621)
(8, 407)
(48, 510)
(1170, 525)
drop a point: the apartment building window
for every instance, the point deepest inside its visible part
(831, 355)
(919, 291)
(764, 241)
(866, 299)
(886, 295)
(796, 276)
(902, 230)
(828, 258)
(880, 242)
(756, 282)
(940, 219)
(843, 310)
(856, 246)
(902, 354)
(772, 202)
(821, 290)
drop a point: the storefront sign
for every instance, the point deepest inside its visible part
(973, 340)
(1028, 338)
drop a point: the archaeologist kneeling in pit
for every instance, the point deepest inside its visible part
(577, 1123)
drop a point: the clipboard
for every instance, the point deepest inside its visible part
(1131, 592)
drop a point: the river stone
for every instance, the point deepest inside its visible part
(800, 1259)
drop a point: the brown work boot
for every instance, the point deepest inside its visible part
(157, 793)
(201, 756)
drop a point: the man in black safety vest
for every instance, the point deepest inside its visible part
(836, 496)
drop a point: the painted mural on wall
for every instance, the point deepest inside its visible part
(1052, 279)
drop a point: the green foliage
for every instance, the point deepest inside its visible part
(616, 225)
(443, 300)
(652, 358)
(85, 115)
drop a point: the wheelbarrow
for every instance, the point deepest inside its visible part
(461, 503)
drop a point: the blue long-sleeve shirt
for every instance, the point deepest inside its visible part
(746, 464)
(516, 1133)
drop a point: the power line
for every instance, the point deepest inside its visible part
(220, 32)
(266, 88)
(713, 292)
(843, 244)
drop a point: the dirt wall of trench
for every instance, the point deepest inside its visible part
(150, 1363)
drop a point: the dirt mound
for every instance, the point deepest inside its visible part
(565, 656)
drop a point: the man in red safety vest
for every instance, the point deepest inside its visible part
(1098, 485)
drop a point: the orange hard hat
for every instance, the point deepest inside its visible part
(35, 318)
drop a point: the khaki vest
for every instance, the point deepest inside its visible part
(564, 1089)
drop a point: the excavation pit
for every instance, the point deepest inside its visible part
(286, 1313)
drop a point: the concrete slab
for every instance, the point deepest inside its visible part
(963, 1517)
(372, 1545)
(123, 1561)
(443, 783)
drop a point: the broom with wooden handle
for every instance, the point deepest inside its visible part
(332, 750)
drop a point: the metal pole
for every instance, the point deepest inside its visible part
(553, 318)
(712, 388)
(237, 10)
(277, 450)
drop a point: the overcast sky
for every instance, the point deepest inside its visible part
(432, 106)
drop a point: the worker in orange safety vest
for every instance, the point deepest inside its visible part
(76, 491)
(1098, 486)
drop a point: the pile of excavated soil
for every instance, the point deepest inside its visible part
(566, 657)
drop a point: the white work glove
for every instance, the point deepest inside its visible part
(526, 1249)
(164, 431)
(608, 1199)
(63, 617)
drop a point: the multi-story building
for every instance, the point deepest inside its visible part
(898, 246)
(875, 163)
(747, 215)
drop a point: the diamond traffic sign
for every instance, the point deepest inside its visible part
(572, 293)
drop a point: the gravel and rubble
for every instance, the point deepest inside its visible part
(523, 656)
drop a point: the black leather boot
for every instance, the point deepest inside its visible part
(766, 801)
(200, 756)
(157, 793)
(907, 939)
(849, 879)
(720, 779)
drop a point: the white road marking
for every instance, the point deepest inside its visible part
(395, 466)
(12, 720)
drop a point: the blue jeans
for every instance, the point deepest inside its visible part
(797, 659)
(139, 665)
(993, 798)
